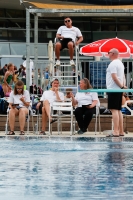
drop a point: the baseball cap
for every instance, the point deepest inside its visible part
(54, 80)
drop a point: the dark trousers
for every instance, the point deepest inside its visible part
(84, 116)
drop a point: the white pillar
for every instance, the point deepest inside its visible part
(27, 49)
(97, 58)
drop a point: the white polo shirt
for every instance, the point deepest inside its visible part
(51, 97)
(69, 32)
(15, 99)
(86, 98)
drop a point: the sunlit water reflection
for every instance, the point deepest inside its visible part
(58, 169)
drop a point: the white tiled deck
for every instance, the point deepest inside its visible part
(67, 134)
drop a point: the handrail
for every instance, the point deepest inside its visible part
(107, 90)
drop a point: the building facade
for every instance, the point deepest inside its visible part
(13, 27)
(94, 27)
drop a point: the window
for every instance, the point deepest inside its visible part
(108, 27)
(108, 20)
(2, 14)
(123, 27)
(15, 13)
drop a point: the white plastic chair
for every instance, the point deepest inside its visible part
(30, 113)
(6, 125)
(97, 115)
(125, 105)
(60, 107)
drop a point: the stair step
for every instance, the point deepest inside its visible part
(65, 65)
(65, 76)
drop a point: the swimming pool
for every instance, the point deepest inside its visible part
(66, 168)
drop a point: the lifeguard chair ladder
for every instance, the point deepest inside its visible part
(66, 75)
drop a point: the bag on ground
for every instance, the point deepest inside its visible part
(35, 90)
(125, 111)
(1, 92)
(3, 106)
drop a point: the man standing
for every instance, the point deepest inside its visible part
(115, 80)
(66, 38)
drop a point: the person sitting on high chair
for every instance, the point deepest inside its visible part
(48, 98)
(66, 38)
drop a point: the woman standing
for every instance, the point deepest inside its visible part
(19, 102)
(86, 105)
(16, 73)
(9, 76)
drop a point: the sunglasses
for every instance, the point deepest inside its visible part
(67, 21)
(110, 52)
(19, 88)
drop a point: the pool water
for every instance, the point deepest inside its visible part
(66, 168)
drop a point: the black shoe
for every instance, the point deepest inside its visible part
(53, 120)
(11, 133)
(84, 130)
(42, 133)
(80, 131)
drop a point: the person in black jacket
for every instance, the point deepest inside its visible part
(2, 72)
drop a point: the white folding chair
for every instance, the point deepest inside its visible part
(6, 125)
(60, 107)
(125, 105)
(37, 124)
(30, 114)
(97, 115)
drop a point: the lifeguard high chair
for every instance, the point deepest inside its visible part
(69, 76)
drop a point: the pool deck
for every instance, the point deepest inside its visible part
(67, 134)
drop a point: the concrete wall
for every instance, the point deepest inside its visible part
(105, 121)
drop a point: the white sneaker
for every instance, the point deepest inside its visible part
(72, 63)
(57, 62)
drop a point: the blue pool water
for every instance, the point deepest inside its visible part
(67, 168)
